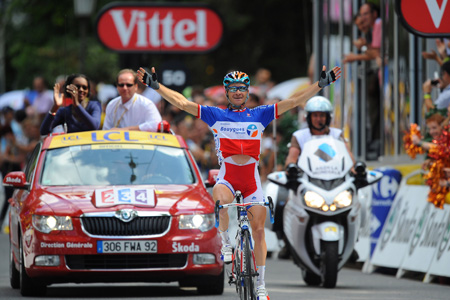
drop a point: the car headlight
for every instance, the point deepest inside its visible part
(343, 199)
(314, 200)
(48, 224)
(201, 222)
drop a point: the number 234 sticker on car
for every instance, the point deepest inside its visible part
(118, 196)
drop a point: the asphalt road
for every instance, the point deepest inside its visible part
(283, 281)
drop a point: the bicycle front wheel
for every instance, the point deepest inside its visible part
(249, 268)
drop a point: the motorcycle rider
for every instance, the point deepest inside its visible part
(318, 111)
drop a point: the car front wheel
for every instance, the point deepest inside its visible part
(14, 274)
(29, 286)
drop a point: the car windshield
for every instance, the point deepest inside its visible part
(116, 164)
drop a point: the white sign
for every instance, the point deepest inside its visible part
(400, 225)
(426, 237)
(119, 196)
(440, 264)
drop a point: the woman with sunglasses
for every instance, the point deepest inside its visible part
(237, 133)
(73, 110)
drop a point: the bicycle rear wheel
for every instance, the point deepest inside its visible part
(249, 269)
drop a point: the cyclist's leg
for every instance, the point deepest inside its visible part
(223, 193)
(257, 220)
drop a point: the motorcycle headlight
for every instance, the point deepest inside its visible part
(47, 224)
(201, 222)
(343, 199)
(314, 200)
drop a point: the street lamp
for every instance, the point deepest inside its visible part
(83, 10)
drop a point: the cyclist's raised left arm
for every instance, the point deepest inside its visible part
(300, 98)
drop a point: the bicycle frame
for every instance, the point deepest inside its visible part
(243, 268)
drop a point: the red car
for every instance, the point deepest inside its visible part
(112, 206)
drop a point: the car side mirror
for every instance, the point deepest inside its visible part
(212, 178)
(16, 180)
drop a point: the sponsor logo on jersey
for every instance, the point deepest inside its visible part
(252, 130)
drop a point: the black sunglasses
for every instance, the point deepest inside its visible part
(234, 89)
(125, 84)
(80, 86)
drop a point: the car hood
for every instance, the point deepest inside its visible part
(174, 199)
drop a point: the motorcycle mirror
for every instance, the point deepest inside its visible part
(360, 168)
(279, 178)
(292, 171)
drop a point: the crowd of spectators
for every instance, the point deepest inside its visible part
(436, 102)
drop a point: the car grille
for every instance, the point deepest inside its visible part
(126, 261)
(112, 226)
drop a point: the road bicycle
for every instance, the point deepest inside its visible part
(243, 265)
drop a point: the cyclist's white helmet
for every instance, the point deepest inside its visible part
(318, 104)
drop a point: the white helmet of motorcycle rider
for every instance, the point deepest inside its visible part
(319, 104)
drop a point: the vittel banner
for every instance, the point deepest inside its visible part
(123, 27)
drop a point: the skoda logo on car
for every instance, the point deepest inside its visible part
(126, 215)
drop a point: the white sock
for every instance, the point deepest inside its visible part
(225, 237)
(261, 271)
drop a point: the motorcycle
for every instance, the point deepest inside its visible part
(322, 216)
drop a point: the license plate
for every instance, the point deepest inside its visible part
(127, 246)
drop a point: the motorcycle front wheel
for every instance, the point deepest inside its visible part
(329, 263)
(311, 278)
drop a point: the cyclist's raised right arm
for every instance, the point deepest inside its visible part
(172, 96)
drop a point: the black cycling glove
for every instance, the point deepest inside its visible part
(151, 80)
(292, 171)
(326, 78)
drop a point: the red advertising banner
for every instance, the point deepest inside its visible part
(427, 18)
(159, 28)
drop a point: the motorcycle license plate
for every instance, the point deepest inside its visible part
(127, 247)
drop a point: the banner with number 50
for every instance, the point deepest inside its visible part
(118, 196)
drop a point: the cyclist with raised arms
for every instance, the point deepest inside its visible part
(237, 133)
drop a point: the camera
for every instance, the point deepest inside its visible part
(435, 82)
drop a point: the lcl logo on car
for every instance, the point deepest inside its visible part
(156, 28)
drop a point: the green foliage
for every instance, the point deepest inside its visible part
(42, 38)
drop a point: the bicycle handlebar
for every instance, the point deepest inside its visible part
(218, 207)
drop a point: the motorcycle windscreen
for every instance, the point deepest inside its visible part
(326, 158)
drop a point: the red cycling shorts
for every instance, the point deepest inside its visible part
(244, 178)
